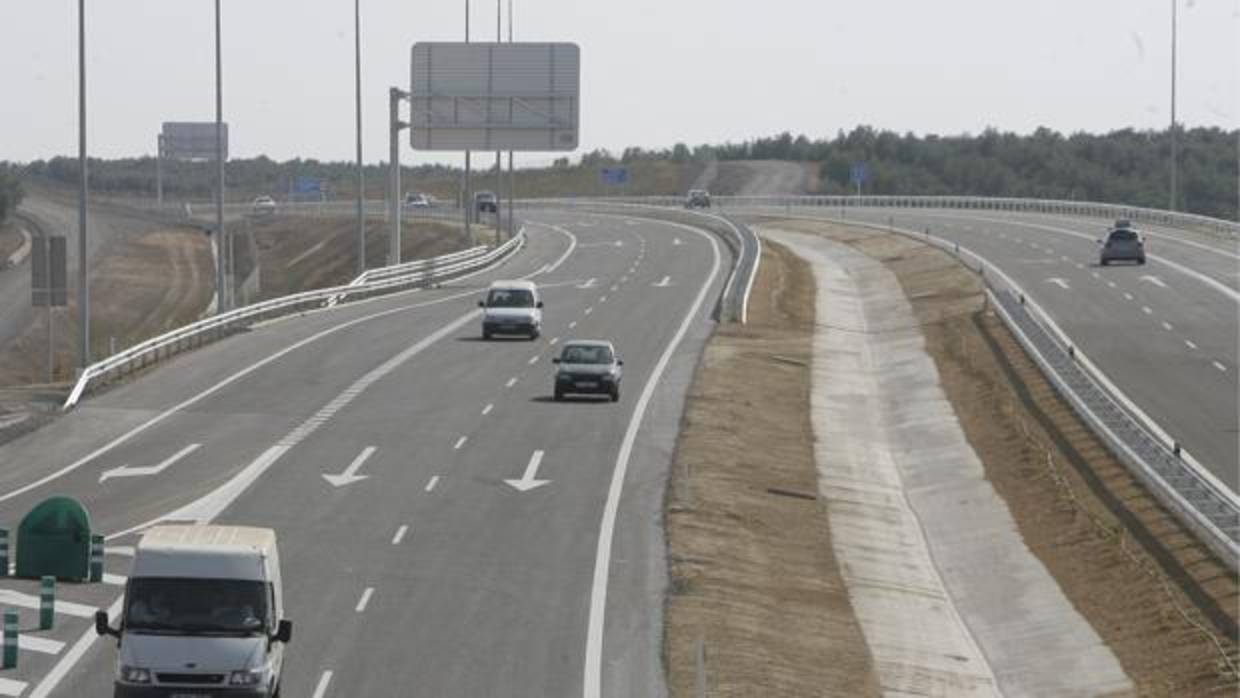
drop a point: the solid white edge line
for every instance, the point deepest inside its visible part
(400, 535)
(325, 680)
(361, 603)
(593, 681)
(571, 246)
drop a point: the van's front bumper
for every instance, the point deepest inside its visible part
(128, 691)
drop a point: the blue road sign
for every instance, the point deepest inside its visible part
(616, 176)
(858, 173)
(309, 185)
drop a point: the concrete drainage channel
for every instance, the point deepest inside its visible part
(914, 517)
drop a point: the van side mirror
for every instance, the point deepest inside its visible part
(284, 632)
(539, 304)
(556, 360)
(619, 362)
(482, 304)
(102, 627)
(1098, 241)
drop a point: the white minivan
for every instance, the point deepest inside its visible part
(512, 307)
(203, 615)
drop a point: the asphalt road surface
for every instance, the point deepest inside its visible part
(1166, 333)
(433, 575)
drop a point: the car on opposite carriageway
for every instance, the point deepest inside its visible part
(1123, 243)
(588, 367)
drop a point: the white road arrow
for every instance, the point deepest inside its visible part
(1154, 280)
(588, 284)
(1062, 283)
(527, 481)
(667, 281)
(126, 471)
(350, 476)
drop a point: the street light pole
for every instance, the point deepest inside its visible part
(467, 204)
(83, 261)
(395, 95)
(361, 173)
(499, 163)
(1175, 163)
(512, 178)
(221, 247)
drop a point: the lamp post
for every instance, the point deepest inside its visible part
(223, 261)
(1174, 135)
(361, 173)
(83, 262)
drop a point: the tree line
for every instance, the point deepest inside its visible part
(10, 191)
(1126, 166)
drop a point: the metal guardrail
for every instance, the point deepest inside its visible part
(372, 283)
(1215, 227)
(747, 246)
(1196, 497)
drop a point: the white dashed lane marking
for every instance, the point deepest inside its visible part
(1189, 343)
(430, 486)
(487, 410)
(1220, 367)
(1167, 326)
(400, 535)
(324, 681)
(460, 442)
(511, 382)
(361, 603)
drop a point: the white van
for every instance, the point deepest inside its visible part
(512, 307)
(203, 615)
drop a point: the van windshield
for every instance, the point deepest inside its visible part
(510, 298)
(179, 606)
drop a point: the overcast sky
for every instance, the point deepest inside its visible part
(654, 71)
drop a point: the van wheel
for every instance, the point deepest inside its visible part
(1141, 261)
(534, 335)
(559, 395)
(615, 394)
(486, 335)
(276, 693)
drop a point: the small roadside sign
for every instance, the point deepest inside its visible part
(614, 176)
(858, 173)
(48, 272)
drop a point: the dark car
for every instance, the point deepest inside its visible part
(697, 198)
(588, 367)
(1123, 243)
(486, 202)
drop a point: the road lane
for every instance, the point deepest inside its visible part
(481, 568)
(1171, 375)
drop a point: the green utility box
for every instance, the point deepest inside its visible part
(54, 540)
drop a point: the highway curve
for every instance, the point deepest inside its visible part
(1166, 333)
(433, 575)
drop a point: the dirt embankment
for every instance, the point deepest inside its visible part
(146, 284)
(10, 240)
(301, 254)
(1159, 599)
(757, 606)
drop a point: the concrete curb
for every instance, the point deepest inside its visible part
(22, 252)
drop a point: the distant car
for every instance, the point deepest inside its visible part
(512, 307)
(486, 202)
(414, 199)
(263, 205)
(1123, 243)
(588, 367)
(697, 198)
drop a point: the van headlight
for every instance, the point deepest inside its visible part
(133, 674)
(246, 678)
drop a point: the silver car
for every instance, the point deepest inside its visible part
(588, 367)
